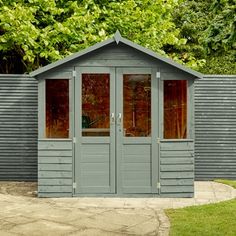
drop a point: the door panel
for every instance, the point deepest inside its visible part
(134, 138)
(95, 147)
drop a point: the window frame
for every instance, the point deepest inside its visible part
(190, 104)
(42, 104)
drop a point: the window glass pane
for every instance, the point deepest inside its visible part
(95, 104)
(57, 108)
(175, 109)
(137, 105)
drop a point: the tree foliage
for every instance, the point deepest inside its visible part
(200, 34)
(40, 32)
(209, 27)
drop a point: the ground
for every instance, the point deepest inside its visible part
(23, 214)
(27, 189)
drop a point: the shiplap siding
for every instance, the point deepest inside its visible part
(55, 168)
(18, 127)
(177, 168)
(215, 127)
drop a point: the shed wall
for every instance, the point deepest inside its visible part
(18, 127)
(55, 168)
(215, 127)
(177, 168)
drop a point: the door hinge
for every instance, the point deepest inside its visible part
(158, 75)
(158, 185)
(74, 139)
(158, 140)
(74, 73)
(74, 185)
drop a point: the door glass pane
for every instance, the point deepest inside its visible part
(137, 105)
(95, 104)
(57, 108)
(175, 109)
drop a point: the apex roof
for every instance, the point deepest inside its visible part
(118, 39)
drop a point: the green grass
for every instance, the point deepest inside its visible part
(209, 220)
(232, 183)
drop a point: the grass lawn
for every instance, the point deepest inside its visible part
(217, 219)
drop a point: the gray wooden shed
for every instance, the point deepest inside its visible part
(116, 119)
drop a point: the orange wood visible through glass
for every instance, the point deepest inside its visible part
(137, 105)
(95, 104)
(57, 108)
(175, 109)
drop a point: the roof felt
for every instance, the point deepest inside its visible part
(116, 38)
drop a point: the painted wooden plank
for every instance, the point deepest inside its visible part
(177, 189)
(53, 182)
(134, 175)
(137, 182)
(55, 167)
(90, 149)
(184, 160)
(177, 146)
(137, 189)
(95, 179)
(55, 174)
(177, 167)
(177, 182)
(62, 194)
(55, 153)
(137, 158)
(55, 145)
(177, 195)
(137, 140)
(135, 149)
(136, 167)
(55, 189)
(95, 189)
(177, 175)
(99, 158)
(95, 140)
(96, 166)
(54, 160)
(177, 153)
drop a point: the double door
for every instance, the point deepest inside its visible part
(116, 127)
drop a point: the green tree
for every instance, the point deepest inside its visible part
(209, 27)
(37, 32)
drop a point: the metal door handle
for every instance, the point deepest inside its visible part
(119, 117)
(112, 117)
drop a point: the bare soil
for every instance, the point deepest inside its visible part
(28, 189)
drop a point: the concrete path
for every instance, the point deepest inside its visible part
(98, 216)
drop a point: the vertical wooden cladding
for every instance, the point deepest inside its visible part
(18, 127)
(215, 127)
(54, 168)
(177, 168)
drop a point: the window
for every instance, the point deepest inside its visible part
(137, 105)
(175, 109)
(95, 104)
(57, 108)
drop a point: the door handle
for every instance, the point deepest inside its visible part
(119, 118)
(112, 117)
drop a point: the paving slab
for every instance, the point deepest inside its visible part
(28, 215)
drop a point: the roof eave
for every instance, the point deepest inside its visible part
(71, 57)
(116, 38)
(161, 58)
